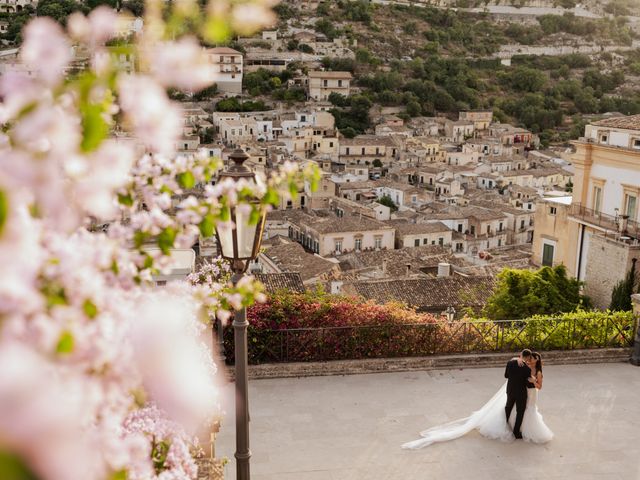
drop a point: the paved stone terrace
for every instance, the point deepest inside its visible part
(351, 427)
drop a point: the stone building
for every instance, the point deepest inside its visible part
(322, 84)
(596, 233)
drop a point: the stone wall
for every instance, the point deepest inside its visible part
(436, 362)
(608, 262)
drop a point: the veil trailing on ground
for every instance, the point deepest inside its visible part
(490, 420)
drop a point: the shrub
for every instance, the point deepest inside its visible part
(318, 327)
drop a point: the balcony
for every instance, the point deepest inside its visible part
(618, 226)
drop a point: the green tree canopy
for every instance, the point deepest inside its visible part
(621, 294)
(388, 201)
(523, 293)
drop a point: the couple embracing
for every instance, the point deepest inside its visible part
(498, 419)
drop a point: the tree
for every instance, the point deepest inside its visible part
(523, 293)
(377, 163)
(388, 201)
(621, 294)
(59, 10)
(136, 7)
(413, 108)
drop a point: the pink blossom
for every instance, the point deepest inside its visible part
(182, 64)
(154, 119)
(46, 49)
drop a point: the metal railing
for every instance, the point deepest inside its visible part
(609, 222)
(443, 337)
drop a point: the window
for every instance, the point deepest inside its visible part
(547, 255)
(553, 210)
(460, 227)
(499, 242)
(441, 241)
(604, 138)
(378, 243)
(636, 143)
(347, 150)
(458, 247)
(339, 83)
(338, 246)
(630, 205)
(473, 229)
(416, 242)
(521, 223)
(425, 241)
(362, 150)
(331, 144)
(500, 227)
(325, 83)
(358, 244)
(488, 229)
(597, 198)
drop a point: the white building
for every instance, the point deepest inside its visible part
(227, 69)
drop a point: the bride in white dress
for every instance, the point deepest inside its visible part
(491, 420)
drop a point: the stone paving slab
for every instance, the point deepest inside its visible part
(351, 427)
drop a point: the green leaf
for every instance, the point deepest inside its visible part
(139, 238)
(65, 343)
(254, 218)
(126, 200)
(94, 127)
(90, 309)
(119, 475)
(186, 180)
(166, 239)
(4, 209)
(216, 30)
(54, 294)
(207, 226)
(271, 198)
(225, 214)
(13, 468)
(148, 262)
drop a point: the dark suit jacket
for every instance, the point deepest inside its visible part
(518, 377)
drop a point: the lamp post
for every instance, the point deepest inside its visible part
(239, 245)
(450, 313)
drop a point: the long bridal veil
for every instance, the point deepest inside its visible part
(490, 420)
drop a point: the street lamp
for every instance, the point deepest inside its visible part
(450, 313)
(239, 245)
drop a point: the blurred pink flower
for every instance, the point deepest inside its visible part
(155, 120)
(46, 49)
(182, 64)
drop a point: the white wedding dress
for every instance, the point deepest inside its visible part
(491, 422)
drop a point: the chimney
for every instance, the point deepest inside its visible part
(408, 265)
(336, 287)
(384, 267)
(444, 269)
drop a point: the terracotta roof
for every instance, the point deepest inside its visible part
(292, 257)
(223, 51)
(630, 122)
(427, 294)
(364, 140)
(405, 228)
(273, 282)
(325, 74)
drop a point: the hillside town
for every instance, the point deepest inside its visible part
(423, 210)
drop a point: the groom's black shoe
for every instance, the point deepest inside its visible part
(518, 436)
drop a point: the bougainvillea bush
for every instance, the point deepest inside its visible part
(102, 375)
(317, 327)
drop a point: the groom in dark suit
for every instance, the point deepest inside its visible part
(517, 373)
